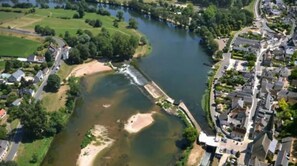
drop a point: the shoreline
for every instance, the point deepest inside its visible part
(89, 68)
(88, 154)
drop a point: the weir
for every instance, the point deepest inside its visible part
(157, 93)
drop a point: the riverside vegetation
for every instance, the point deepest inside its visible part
(118, 43)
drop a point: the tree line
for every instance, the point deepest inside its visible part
(209, 23)
(116, 47)
(44, 31)
(220, 3)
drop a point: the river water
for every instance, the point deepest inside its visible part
(176, 65)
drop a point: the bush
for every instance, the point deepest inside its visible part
(88, 138)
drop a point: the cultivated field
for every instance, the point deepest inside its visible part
(14, 46)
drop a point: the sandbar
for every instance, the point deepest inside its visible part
(89, 153)
(139, 121)
(90, 68)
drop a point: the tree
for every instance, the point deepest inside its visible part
(3, 132)
(190, 134)
(74, 56)
(8, 66)
(143, 40)
(133, 23)
(283, 104)
(115, 23)
(48, 56)
(8, 163)
(81, 12)
(34, 158)
(120, 15)
(53, 83)
(84, 51)
(98, 23)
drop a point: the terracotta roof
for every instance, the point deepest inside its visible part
(2, 112)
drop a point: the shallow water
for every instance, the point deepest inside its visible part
(153, 145)
(176, 65)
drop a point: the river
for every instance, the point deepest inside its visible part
(176, 65)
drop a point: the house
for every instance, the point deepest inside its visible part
(65, 52)
(267, 59)
(25, 91)
(282, 159)
(260, 147)
(247, 45)
(3, 149)
(36, 59)
(2, 113)
(38, 77)
(278, 85)
(294, 83)
(16, 76)
(284, 72)
(17, 102)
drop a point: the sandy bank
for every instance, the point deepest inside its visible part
(138, 122)
(89, 68)
(89, 153)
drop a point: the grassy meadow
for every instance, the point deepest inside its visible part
(15, 46)
(4, 16)
(52, 18)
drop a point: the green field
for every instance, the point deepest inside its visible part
(27, 150)
(51, 18)
(5, 16)
(14, 46)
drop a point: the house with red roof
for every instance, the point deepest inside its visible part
(2, 113)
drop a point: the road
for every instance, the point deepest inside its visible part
(218, 74)
(15, 144)
(53, 70)
(16, 140)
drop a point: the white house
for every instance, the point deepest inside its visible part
(16, 76)
(65, 52)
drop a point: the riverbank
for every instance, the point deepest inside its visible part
(95, 66)
(89, 153)
(138, 122)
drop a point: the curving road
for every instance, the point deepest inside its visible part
(16, 139)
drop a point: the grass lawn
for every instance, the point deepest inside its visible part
(250, 7)
(50, 17)
(6, 16)
(38, 147)
(59, 98)
(65, 70)
(14, 46)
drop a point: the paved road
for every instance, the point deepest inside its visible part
(218, 74)
(15, 142)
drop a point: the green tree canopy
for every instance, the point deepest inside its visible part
(120, 15)
(133, 23)
(53, 83)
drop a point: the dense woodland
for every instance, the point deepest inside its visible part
(116, 47)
